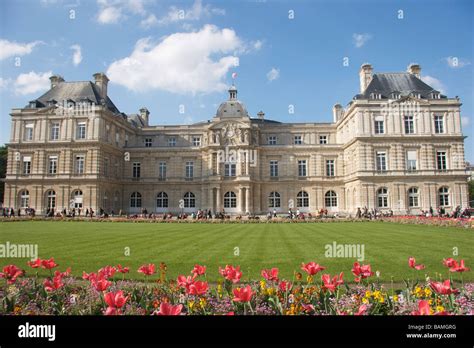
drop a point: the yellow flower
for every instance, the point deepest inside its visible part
(368, 293)
(428, 292)
(364, 300)
(202, 302)
(270, 291)
(191, 305)
(309, 279)
(262, 284)
(395, 298)
(439, 309)
(17, 309)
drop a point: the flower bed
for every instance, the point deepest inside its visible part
(315, 293)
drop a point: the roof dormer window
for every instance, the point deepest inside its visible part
(435, 95)
(416, 95)
(375, 96)
(396, 95)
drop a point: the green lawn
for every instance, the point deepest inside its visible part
(90, 245)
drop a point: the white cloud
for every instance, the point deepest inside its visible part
(149, 22)
(434, 82)
(273, 74)
(109, 15)
(257, 45)
(456, 62)
(359, 40)
(32, 82)
(112, 11)
(195, 62)
(195, 13)
(77, 55)
(4, 83)
(465, 121)
(12, 48)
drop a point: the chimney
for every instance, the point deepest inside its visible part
(414, 69)
(101, 81)
(55, 80)
(365, 75)
(144, 115)
(337, 112)
(261, 115)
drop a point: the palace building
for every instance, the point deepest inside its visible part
(397, 145)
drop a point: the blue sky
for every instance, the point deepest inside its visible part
(168, 54)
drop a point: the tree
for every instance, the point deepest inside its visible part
(3, 169)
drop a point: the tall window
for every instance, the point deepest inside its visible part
(230, 169)
(106, 166)
(439, 124)
(274, 200)
(136, 200)
(189, 200)
(413, 197)
(77, 199)
(189, 170)
(162, 171)
(136, 170)
(29, 132)
(411, 160)
(196, 141)
(80, 164)
(81, 130)
(273, 169)
(330, 168)
(172, 142)
(381, 161)
(297, 140)
(330, 199)
(302, 199)
(301, 167)
(382, 197)
(54, 131)
(230, 200)
(272, 140)
(441, 162)
(24, 199)
(51, 199)
(409, 125)
(323, 139)
(379, 126)
(26, 165)
(53, 165)
(162, 200)
(443, 196)
(148, 142)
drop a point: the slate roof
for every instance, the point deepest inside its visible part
(403, 83)
(78, 91)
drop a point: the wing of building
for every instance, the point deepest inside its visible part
(398, 145)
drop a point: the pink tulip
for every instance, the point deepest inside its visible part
(270, 274)
(362, 310)
(450, 262)
(107, 272)
(308, 308)
(412, 264)
(285, 286)
(198, 288)
(35, 264)
(185, 282)
(100, 284)
(147, 270)
(443, 288)
(199, 270)
(115, 301)
(312, 268)
(243, 294)
(231, 273)
(361, 272)
(10, 273)
(168, 309)
(329, 284)
(53, 285)
(459, 268)
(122, 269)
(49, 264)
(423, 308)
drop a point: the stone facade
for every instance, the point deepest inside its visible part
(397, 145)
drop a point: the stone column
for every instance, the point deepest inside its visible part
(218, 199)
(239, 199)
(247, 199)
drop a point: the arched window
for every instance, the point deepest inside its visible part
(413, 197)
(51, 199)
(77, 198)
(162, 200)
(274, 200)
(230, 200)
(24, 198)
(302, 199)
(136, 200)
(189, 200)
(443, 196)
(382, 197)
(330, 199)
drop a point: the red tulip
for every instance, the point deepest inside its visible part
(106, 272)
(168, 309)
(115, 301)
(198, 288)
(56, 284)
(10, 273)
(450, 262)
(285, 286)
(443, 288)
(199, 270)
(459, 268)
(329, 284)
(147, 270)
(423, 308)
(362, 310)
(35, 264)
(412, 264)
(270, 274)
(122, 269)
(361, 272)
(312, 268)
(243, 294)
(185, 282)
(49, 264)
(231, 273)
(100, 284)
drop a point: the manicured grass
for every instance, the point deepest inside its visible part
(87, 246)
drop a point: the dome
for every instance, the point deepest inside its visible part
(232, 108)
